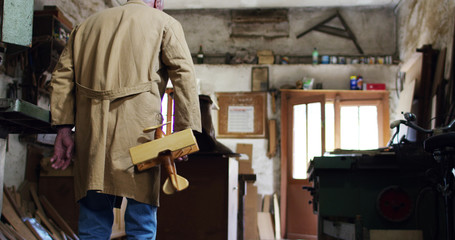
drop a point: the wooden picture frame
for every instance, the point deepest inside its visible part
(242, 114)
(259, 79)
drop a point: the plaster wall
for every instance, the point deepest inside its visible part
(12, 151)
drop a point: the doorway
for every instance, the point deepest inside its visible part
(302, 138)
(316, 122)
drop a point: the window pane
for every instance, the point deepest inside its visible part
(307, 139)
(349, 122)
(164, 110)
(314, 131)
(368, 127)
(172, 113)
(359, 127)
(299, 148)
(329, 127)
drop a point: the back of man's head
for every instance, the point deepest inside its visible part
(158, 4)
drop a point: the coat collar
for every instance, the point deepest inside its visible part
(137, 2)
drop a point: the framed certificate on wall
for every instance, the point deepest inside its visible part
(242, 115)
(259, 79)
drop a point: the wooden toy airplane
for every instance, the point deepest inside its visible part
(164, 150)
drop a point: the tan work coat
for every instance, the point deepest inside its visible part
(109, 82)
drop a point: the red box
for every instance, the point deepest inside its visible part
(375, 86)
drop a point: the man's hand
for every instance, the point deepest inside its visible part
(63, 149)
(182, 159)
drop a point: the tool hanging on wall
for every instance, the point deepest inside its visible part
(339, 32)
(164, 150)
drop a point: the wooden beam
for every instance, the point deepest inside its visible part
(259, 16)
(344, 33)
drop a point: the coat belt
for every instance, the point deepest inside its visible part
(115, 93)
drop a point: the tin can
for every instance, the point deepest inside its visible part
(359, 83)
(353, 82)
(325, 59)
(341, 60)
(371, 60)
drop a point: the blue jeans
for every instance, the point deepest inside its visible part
(96, 218)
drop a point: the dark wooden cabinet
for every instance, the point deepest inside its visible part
(208, 208)
(50, 34)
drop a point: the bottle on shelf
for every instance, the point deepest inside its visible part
(315, 56)
(200, 55)
(359, 83)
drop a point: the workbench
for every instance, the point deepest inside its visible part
(20, 117)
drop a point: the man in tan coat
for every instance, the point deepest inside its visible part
(108, 84)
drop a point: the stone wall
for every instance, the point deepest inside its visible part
(374, 28)
(426, 22)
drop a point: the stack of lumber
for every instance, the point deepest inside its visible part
(27, 216)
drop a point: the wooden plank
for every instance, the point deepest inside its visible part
(276, 214)
(246, 158)
(13, 218)
(272, 138)
(250, 231)
(33, 230)
(439, 73)
(9, 232)
(13, 204)
(6, 231)
(424, 94)
(396, 234)
(256, 30)
(38, 230)
(265, 226)
(260, 16)
(267, 202)
(232, 198)
(65, 237)
(50, 210)
(438, 89)
(54, 232)
(35, 198)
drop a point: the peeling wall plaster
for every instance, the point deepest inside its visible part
(425, 22)
(374, 29)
